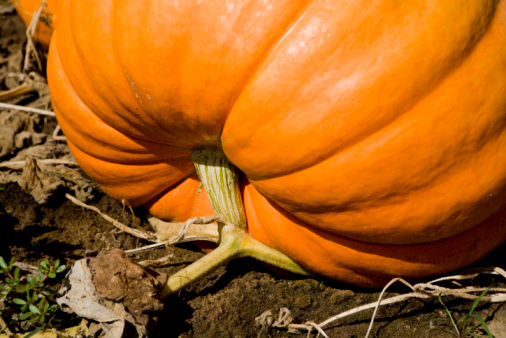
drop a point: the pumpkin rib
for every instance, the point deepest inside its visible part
(184, 200)
(268, 51)
(135, 183)
(178, 58)
(397, 106)
(368, 264)
(326, 97)
(112, 101)
(350, 184)
(116, 146)
(403, 218)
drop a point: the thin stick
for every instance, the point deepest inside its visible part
(195, 229)
(146, 247)
(420, 291)
(55, 135)
(119, 225)
(391, 300)
(157, 263)
(26, 109)
(21, 164)
(192, 230)
(30, 31)
(318, 328)
(20, 90)
(379, 301)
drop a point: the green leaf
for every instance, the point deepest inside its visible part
(51, 275)
(60, 268)
(25, 315)
(34, 332)
(31, 320)
(448, 312)
(43, 264)
(477, 300)
(3, 265)
(463, 318)
(483, 324)
(34, 309)
(473, 307)
(16, 275)
(18, 301)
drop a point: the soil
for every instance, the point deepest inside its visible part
(46, 225)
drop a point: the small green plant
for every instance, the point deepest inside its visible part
(31, 296)
(464, 326)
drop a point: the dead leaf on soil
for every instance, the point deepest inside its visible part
(114, 292)
(43, 181)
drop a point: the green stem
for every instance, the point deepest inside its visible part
(234, 243)
(219, 177)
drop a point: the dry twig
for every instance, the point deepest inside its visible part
(168, 233)
(119, 225)
(20, 90)
(21, 164)
(26, 109)
(157, 263)
(420, 291)
(30, 45)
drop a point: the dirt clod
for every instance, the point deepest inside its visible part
(303, 301)
(341, 295)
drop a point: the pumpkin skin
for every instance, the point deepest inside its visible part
(26, 9)
(372, 139)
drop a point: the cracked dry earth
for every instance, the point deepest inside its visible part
(38, 222)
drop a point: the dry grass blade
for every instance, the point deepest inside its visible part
(119, 225)
(20, 90)
(157, 263)
(199, 228)
(21, 164)
(379, 300)
(55, 135)
(26, 109)
(420, 291)
(30, 32)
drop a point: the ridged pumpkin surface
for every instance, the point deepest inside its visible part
(44, 30)
(372, 133)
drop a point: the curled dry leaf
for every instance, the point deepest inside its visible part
(113, 291)
(43, 181)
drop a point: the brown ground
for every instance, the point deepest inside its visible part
(223, 305)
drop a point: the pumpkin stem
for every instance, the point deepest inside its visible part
(220, 179)
(234, 243)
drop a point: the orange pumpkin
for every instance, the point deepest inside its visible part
(45, 26)
(371, 137)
